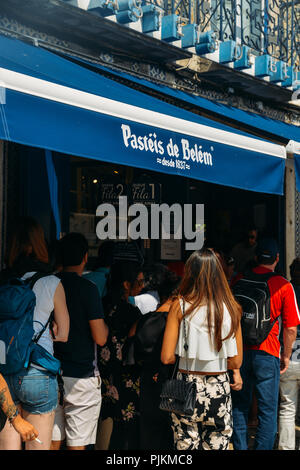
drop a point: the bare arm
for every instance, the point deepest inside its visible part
(6, 403)
(235, 362)
(23, 427)
(99, 331)
(237, 380)
(171, 334)
(61, 315)
(289, 336)
(132, 330)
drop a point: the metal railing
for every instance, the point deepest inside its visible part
(266, 26)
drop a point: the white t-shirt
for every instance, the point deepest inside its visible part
(147, 302)
(44, 290)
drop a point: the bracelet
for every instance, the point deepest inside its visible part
(12, 417)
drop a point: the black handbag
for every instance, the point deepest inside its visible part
(179, 396)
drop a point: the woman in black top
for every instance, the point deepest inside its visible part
(121, 383)
(155, 425)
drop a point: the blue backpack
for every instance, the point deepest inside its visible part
(17, 341)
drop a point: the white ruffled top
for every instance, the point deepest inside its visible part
(201, 354)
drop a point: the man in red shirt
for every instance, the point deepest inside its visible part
(263, 363)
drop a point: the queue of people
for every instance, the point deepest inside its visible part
(116, 333)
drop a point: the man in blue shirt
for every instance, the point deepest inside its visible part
(100, 275)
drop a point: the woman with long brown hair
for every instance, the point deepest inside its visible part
(28, 244)
(213, 333)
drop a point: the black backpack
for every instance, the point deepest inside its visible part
(149, 337)
(253, 294)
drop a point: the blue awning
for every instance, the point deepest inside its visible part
(249, 119)
(52, 103)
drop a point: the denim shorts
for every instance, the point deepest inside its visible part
(34, 389)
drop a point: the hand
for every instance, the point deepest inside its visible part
(284, 363)
(237, 380)
(25, 429)
(54, 330)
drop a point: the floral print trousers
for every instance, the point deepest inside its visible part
(210, 427)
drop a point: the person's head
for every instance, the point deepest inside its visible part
(28, 239)
(105, 254)
(155, 276)
(56, 256)
(267, 252)
(204, 284)
(295, 270)
(229, 266)
(73, 251)
(221, 257)
(252, 236)
(226, 261)
(169, 287)
(126, 279)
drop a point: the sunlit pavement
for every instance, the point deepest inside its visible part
(252, 431)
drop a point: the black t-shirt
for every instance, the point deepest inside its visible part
(78, 355)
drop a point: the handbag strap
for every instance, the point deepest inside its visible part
(185, 343)
(186, 346)
(175, 367)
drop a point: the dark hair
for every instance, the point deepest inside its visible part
(72, 249)
(121, 272)
(55, 255)
(28, 239)
(229, 260)
(204, 283)
(105, 254)
(169, 287)
(160, 278)
(155, 275)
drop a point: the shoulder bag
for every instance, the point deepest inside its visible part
(179, 396)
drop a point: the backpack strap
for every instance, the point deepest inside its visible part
(31, 281)
(251, 276)
(39, 334)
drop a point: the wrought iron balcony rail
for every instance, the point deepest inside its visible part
(266, 26)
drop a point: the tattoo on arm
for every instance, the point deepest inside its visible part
(6, 403)
(2, 397)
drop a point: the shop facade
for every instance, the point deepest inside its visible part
(89, 138)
